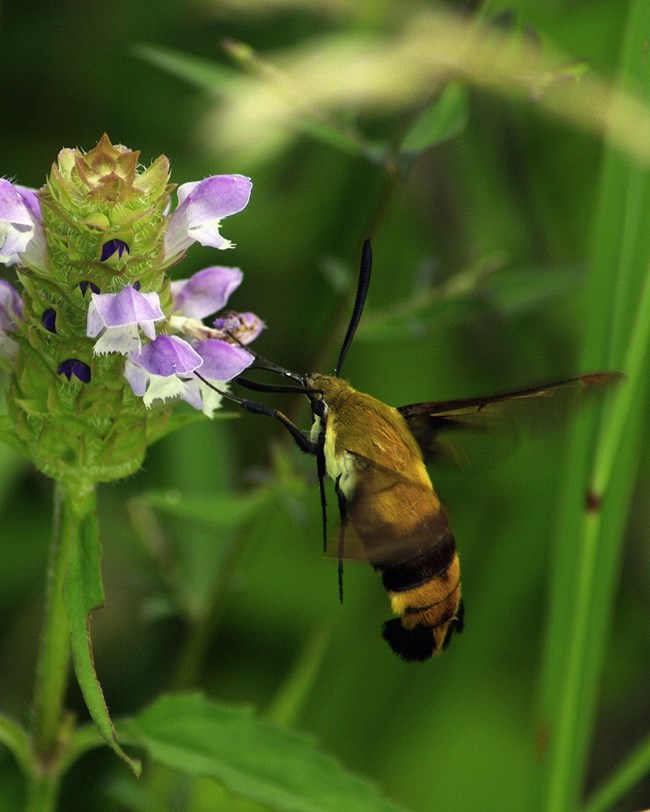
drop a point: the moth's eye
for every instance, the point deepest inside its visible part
(319, 407)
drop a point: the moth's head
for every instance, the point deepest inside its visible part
(322, 391)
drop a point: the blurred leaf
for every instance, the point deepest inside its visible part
(203, 73)
(218, 79)
(308, 117)
(444, 118)
(253, 759)
(299, 682)
(518, 289)
(194, 566)
(16, 740)
(631, 772)
(346, 71)
(182, 417)
(225, 511)
(511, 291)
(341, 138)
(8, 435)
(83, 593)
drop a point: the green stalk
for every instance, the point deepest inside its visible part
(635, 767)
(72, 508)
(602, 462)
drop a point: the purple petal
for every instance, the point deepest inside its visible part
(18, 225)
(168, 355)
(222, 361)
(205, 292)
(202, 205)
(111, 247)
(30, 199)
(129, 306)
(83, 286)
(11, 306)
(75, 367)
(218, 195)
(192, 393)
(244, 326)
(9, 349)
(137, 377)
(152, 387)
(13, 208)
(48, 319)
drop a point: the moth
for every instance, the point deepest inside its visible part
(376, 456)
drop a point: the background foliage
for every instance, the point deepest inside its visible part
(212, 565)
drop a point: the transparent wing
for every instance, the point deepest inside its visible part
(389, 518)
(447, 430)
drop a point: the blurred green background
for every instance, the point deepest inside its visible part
(193, 601)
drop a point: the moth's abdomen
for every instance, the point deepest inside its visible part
(425, 592)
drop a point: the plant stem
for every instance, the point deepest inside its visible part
(590, 540)
(71, 507)
(43, 792)
(54, 655)
(632, 770)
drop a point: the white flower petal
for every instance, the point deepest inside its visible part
(124, 340)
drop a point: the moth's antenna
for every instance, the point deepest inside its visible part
(365, 269)
(257, 386)
(264, 363)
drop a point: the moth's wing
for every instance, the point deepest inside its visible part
(455, 429)
(394, 544)
(353, 549)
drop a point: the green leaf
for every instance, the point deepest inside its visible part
(8, 435)
(224, 511)
(337, 135)
(634, 768)
(511, 290)
(182, 417)
(441, 120)
(253, 759)
(84, 592)
(16, 740)
(520, 289)
(203, 73)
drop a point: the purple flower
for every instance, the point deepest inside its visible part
(245, 326)
(201, 207)
(222, 361)
(164, 369)
(75, 368)
(118, 317)
(11, 306)
(85, 286)
(205, 292)
(48, 319)
(11, 309)
(22, 239)
(111, 247)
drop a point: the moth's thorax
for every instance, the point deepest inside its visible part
(359, 427)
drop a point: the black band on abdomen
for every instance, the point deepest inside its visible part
(421, 569)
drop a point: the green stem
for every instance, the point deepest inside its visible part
(589, 542)
(54, 655)
(71, 508)
(43, 792)
(629, 773)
